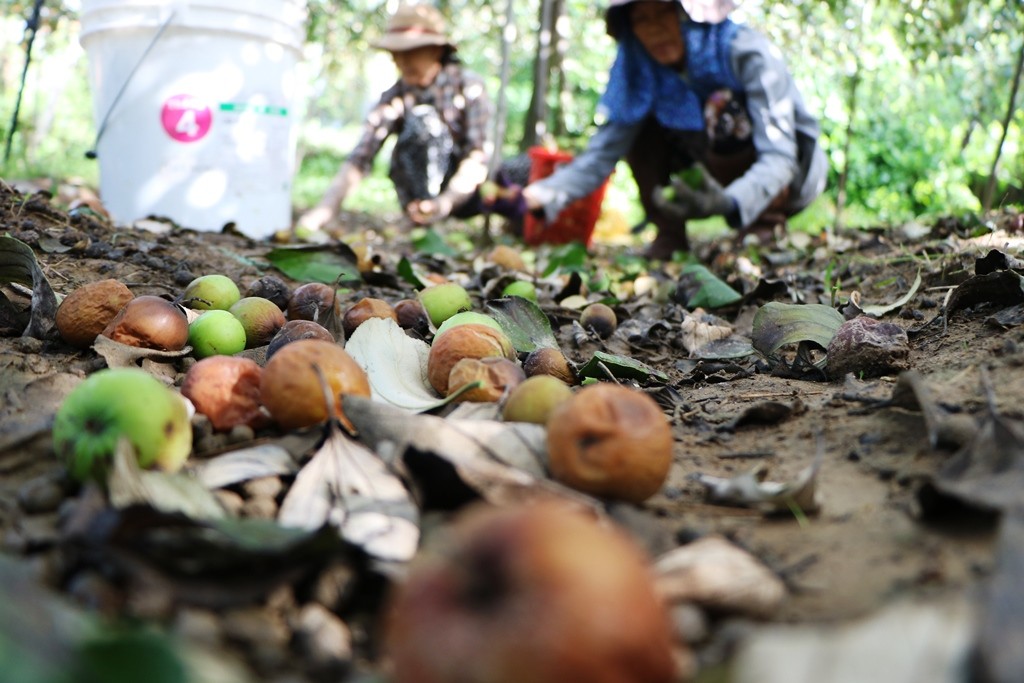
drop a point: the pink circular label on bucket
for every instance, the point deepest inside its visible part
(186, 118)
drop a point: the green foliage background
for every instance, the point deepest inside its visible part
(932, 87)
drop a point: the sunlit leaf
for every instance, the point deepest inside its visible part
(333, 263)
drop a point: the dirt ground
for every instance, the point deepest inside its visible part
(883, 536)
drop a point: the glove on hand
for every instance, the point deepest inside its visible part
(682, 202)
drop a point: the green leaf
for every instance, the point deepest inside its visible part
(621, 367)
(408, 273)
(430, 242)
(711, 292)
(329, 263)
(567, 258)
(777, 325)
(526, 325)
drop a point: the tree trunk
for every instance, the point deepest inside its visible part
(536, 118)
(501, 107)
(990, 187)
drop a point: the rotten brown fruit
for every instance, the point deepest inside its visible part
(470, 340)
(86, 311)
(291, 388)
(226, 389)
(610, 441)
(496, 375)
(535, 593)
(364, 309)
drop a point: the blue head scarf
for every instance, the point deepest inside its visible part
(639, 87)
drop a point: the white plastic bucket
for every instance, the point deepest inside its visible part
(195, 105)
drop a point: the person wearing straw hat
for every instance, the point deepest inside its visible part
(707, 94)
(439, 112)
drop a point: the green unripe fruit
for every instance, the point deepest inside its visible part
(467, 317)
(535, 399)
(216, 333)
(521, 288)
(211, 292)
(445, 300)
(121, 403)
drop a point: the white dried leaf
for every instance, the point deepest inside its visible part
(395, 363)
(699, 329)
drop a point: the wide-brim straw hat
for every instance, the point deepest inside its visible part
(413, 26)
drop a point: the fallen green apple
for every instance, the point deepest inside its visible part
(444, 300)
(216, 333)
(210, 292)
(121, 403)
(521, 288)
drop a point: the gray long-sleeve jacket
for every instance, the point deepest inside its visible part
(785, 136)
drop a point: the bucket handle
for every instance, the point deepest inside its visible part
(92, 153)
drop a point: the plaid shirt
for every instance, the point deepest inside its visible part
(461, 98)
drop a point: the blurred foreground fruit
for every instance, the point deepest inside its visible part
(86, 311)
(291, 390)
(150, 322)
(610, 441)
(115, 403)
(227, 390)
(529, 594)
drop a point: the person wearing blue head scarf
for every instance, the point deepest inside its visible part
(713, 95)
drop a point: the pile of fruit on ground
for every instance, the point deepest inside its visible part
(415, 458)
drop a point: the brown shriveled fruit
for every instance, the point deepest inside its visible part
(470, 340)
(535, 399)
(227, 390)
(291, 389)
(412, 316)
(273, 288)
(496, 375)
(85, 312)
(538, 593)
(367, 307)
(295, 330)
(610, 441)
(150, 322)
(549, 361)
(600, 318)
(313, 301)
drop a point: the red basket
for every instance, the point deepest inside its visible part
(576, 221)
